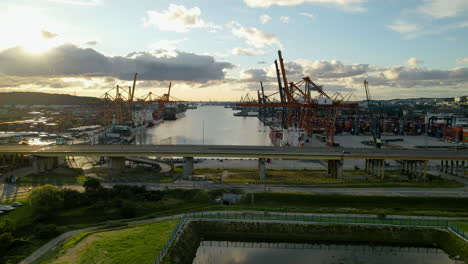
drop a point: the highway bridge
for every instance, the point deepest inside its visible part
(413, 160)
(322, 153)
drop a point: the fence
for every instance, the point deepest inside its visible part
(415, 222)
(170, 240)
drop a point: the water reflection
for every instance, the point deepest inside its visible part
(228, 252)
(209, 125)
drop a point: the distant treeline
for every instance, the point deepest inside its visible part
(32, 98)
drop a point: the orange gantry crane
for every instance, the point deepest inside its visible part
(119, 104)
(301, 113)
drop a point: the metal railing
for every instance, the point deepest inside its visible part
(309, 218)
(170, 240)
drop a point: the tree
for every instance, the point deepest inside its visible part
(46, 199)
(92, 184)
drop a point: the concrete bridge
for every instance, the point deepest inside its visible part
(414, 161)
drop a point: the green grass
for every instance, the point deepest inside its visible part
(57, 177)
(320, 177)
(140, 244)
(355, 204)
(463, 225)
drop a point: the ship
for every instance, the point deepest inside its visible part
(287, 137)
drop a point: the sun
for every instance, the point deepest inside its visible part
(25, 27)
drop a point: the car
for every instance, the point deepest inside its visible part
(16, 204)
(346, 152)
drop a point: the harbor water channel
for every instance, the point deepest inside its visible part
(209, 125)
(228, 252)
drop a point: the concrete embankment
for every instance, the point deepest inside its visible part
(184, 249)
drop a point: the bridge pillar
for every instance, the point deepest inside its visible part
(382, 167)
(262, 168)
(43, 164)
(446, 166)
(116, 163)
(425, 170)
(451, 167)
(463, 169)
(188, 167)
(339, 169)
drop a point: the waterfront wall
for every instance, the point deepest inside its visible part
(185, 248)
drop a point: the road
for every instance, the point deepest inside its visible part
(323, 153)
(10, 191)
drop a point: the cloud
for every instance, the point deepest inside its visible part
(462, 61)
(91, 42)
(309, 15)
(70, 60)
(166, 47)
(431, 17)
(79, 2)
(347, 5)
(48, 35)
(246, 51)
(404, 27)
(177, 18)
(413, 62)
(265, 18)
(284, 19)
(439, 9)
(254, 75)
(254, 36)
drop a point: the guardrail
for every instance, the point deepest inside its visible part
(308, 218)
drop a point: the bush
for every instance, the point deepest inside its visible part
(202, 197)
(128, 210)
(46, 199)
(46, 231)
(92, 184)
(72, 198)
(6, 239)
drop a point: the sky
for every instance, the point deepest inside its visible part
(221, 50)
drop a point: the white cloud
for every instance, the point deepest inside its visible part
(284, 19)
(48, 35)
(431, 17)
(443, 9)
(404, 27)
(92, 42)
(462, 61)
(254, 36)
(309, 15)
(265, 18)
(413, 62)
(79, 2)
(246, 51)
(166, 47)
(347, 5)
(177, 18)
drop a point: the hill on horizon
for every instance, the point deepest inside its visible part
(36, 98)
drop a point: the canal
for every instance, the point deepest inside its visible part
(227, 252)
(210, 125)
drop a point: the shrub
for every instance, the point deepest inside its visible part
(92, 184)
(128, 210)
(6, 239)
(72, 198)
(46, 231)
(46, 199)
(202, 197)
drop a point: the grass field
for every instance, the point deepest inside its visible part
(352, 178)
(140, 244)
(60, 176)
(180, 201)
